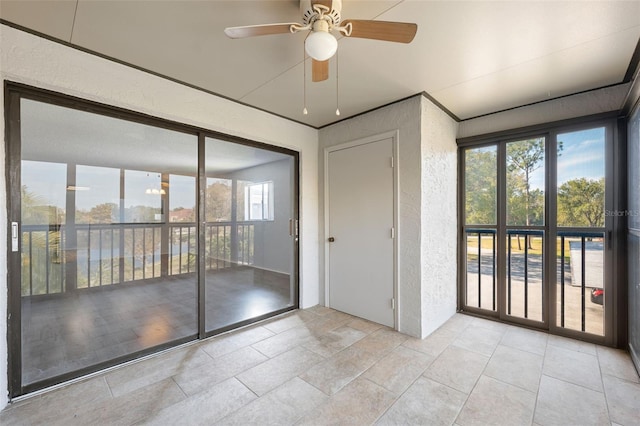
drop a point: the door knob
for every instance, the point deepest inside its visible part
(331, 239)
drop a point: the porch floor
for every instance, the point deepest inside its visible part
(321, 366)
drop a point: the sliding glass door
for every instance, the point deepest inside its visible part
(537, 234)
(249, 233)
(129, 235)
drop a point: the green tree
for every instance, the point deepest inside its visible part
(581, 203)
(218, 202)
(480, 186)
(523, 158)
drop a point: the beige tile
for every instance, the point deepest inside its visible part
(132, 407)
(283, 405)
(363, 325)
(623, 400)
(302, 318)
(617, 362)
(516, 367)
(284, 341)
(337, 371)
(479, 339)
(575, 367)
(270, 374)
(399, 369)
(334, 341)
(154, 369)
(560, 403)
(573, 344)
(319, 310)
(497, 403)
(425, 403)
(525, 340)
(195, 380)
(490, 324)
(433, 344)
(381, 341)
(206, 407)
(359, 403)
(231, 342)
(457, 368)
(456, 324)
(57, 404)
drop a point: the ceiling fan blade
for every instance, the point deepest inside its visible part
(258, 30)
(399, 32)
(319, 70)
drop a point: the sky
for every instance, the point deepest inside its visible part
(582, 156)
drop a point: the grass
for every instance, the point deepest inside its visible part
(535, 245)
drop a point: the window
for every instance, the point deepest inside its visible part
(258, 201)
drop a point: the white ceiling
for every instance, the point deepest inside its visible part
(473, 57)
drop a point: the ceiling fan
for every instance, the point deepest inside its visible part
(321, 17)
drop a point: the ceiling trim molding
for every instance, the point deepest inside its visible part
(139, 68)
(543, 101)
(633, 64)
(442, 107)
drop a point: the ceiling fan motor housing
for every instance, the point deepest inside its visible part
(310, 15)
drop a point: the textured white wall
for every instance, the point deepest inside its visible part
(38, 62)
(580, 105)
(439, 217)
(404, 117)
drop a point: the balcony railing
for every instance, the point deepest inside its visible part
(579, 275)
(95, 255)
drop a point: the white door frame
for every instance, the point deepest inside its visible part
(394, 136)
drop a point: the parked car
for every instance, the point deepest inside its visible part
(597, 295)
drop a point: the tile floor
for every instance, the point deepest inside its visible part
(319, 366)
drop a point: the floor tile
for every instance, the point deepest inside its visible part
(282, 406)
(338, 370)
(616, 362)
(399, 369)
(575, 345)
(296, 319)
(425, 403)
(282, 342)
(231, 342)
(132, 407)
(623, 400)
(560, 402)
(365, 326)
(516, 367)
(195, 380)
(206, 407)
(334, 341)
(139, 374)
(525, 340)
(497, 403)
(381, 341)
(270, 374)
(433, 344)
(575, 367)
(359, 403)
(479, 339)
(457, 368)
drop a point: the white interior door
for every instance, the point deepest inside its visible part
(361, 207)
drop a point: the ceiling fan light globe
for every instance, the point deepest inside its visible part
(321, 45)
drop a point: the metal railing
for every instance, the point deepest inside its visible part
(55, 260)
(479, 233)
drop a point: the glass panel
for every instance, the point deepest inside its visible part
(580, 275)
(249, 252)
(481, 174)
(580, 255)
(525, 254)
(525, 182)
(481, 269)
(581, 178)
(95, 192)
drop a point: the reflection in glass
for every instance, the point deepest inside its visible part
(96, 239)
(249, 251)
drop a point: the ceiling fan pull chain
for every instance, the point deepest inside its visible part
(337, 97)
(304, 80)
